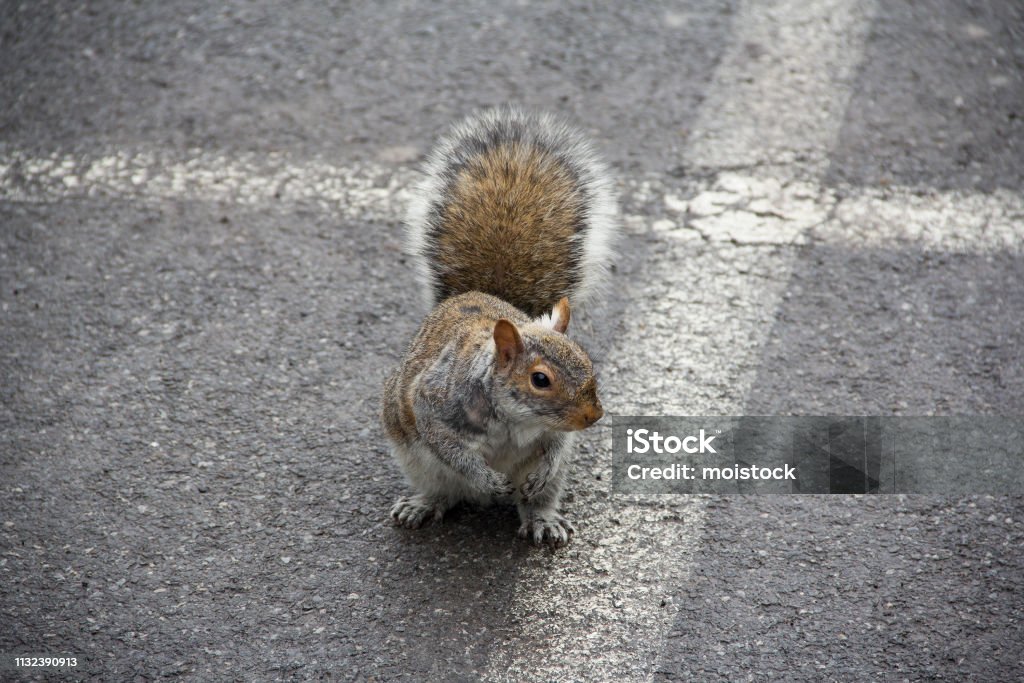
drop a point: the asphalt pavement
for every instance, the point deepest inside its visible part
(202, 287)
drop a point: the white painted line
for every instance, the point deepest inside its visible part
(782, 86)
(145, 175)
(750, 210)
(735, 207)
(777, 96)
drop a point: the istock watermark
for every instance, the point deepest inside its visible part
(818, 454)
(644, 440)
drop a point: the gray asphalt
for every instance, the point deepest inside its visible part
(202, 288)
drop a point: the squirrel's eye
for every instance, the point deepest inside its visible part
(540, 380)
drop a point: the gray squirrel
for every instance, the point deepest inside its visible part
(514, 218)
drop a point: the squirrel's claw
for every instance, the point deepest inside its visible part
(414, 511)
(549, 528)
(501, 486)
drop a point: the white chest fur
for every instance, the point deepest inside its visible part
(508, 444)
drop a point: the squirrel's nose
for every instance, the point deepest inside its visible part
(595, 413)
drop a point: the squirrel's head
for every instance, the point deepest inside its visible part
(542, 374)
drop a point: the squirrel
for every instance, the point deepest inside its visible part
(514, 218)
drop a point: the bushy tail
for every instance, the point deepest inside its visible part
(516, 205)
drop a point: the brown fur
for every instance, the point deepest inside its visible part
(470, 320)
(507, 228)
(560, 315)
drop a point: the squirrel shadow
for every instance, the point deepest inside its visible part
(457, 588)
(486, 530)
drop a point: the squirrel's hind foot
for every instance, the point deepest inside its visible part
(548, 527)
(415, 511)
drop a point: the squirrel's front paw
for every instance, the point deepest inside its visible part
(548, 528)
(534, 485)
(500, 486)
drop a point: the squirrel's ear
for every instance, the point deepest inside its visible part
(558, 319)
(507, 342)
(560, 316)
